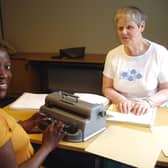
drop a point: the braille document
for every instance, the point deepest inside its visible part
(146, 120)
(29, 101)
(130, 146)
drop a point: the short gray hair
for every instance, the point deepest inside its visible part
(136, 14)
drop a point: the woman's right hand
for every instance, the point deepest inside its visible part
(52, 135)
(125, 106)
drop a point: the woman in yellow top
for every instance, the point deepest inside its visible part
(15, 147)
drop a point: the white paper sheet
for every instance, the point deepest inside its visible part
(29, 101)
(145, 120)
(130, 146)
(93, 98)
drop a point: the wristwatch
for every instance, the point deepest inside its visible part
(150, 102)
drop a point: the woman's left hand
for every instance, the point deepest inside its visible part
(31, 125)
(140, 107)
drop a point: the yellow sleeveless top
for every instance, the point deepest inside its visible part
(10, 129)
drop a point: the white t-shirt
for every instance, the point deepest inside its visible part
(137, 76)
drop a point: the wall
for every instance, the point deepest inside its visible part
(47, 26)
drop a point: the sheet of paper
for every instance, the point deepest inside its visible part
(145, 120)
(160, 134)
(129, 146)
(93, 98)
(29, 101)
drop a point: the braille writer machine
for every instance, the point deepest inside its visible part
(81, 119)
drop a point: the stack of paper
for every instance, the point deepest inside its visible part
(93, 98)
(129, 146)
(145, 120)
(29, 101)
(160, 134)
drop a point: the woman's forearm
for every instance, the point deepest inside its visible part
(160, 97)
(37, 159)
(113, 95)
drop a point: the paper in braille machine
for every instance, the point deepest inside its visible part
(82, 119)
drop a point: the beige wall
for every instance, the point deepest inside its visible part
(48, 25)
